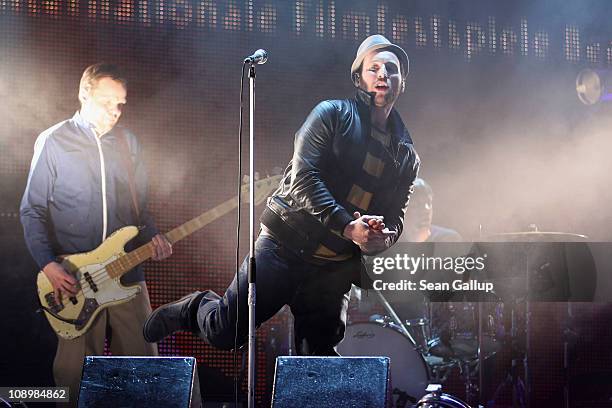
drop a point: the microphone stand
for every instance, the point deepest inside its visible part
(251, 273)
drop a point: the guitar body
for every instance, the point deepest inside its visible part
(98, 290)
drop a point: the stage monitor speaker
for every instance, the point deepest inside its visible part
(140, 382)
(330, 382)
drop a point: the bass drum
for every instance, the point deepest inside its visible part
(409, 374)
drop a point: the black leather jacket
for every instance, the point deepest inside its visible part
(327, 160)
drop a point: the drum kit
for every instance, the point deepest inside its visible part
(426, 349)
(456, 334)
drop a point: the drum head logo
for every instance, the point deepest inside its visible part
(362, 334)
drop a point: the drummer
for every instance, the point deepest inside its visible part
(418, 226)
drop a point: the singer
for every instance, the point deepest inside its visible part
(343, 194)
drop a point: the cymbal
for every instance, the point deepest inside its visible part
(536, 236)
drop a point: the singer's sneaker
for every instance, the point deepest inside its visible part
(179, 315)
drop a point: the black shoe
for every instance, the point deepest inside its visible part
(172, 317)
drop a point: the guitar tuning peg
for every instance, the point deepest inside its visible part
(256, 175)
(245, 179)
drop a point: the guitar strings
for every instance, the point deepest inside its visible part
(98, 276)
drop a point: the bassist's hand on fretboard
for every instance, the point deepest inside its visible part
(162, 248)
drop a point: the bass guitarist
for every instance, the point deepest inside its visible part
(87, 180)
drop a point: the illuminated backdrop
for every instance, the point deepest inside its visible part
(490, 104)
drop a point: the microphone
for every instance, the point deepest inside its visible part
(259, 57)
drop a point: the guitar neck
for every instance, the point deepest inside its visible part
(132, 259)
(199, 222)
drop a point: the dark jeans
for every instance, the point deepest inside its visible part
(317, 295)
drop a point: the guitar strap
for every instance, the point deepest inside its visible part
(129, 165)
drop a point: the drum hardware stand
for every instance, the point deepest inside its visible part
(521, 388)
(474, 391)
(569, 341)
(291, 334)
(471, 389)
(480, 358)
(468, 367)
(519, 396)
(389, 309)
(480, 361)
(527, 374)
(518, 387)
(566, 335)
